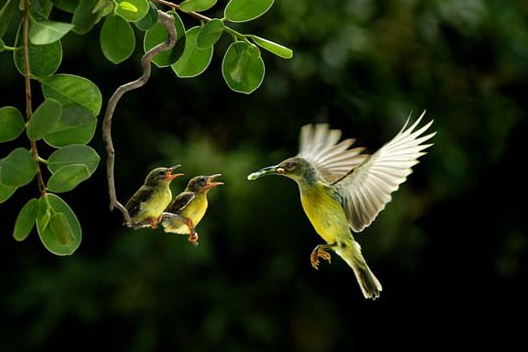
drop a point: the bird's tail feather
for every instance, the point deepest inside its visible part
(351, 253)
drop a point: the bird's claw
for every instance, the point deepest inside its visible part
(193, 238)
(155, 221)
(317, 253)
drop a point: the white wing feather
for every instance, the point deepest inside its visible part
(368, 188)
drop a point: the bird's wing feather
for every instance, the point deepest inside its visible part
(319, 146)
(142, 195)
(367, 189)
(181, 201)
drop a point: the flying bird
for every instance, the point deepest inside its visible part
(342, 190)
(149, 201)
(189, 207)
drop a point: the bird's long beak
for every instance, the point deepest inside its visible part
(210, 184)
(170, 176)
(270, 170)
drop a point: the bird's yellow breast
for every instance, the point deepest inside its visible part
(153, 207)
(324, 212)
(195, 211)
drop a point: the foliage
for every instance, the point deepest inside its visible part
(67, 117)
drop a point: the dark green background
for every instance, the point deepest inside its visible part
(450, 250)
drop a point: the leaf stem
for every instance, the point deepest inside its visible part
(12, 48)
(27, 81)
(42, 160)
(168, 21)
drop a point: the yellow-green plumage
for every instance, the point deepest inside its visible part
(194, 212)
(153, 206)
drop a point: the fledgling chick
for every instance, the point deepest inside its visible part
(189, 207)
(147, 204)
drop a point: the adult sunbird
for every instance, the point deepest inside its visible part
(343, 190)
(147, 204)
(189, 207)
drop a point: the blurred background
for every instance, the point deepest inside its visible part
(450, 249)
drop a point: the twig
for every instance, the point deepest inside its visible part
(168, 21)
(177, 7)
(27, 81)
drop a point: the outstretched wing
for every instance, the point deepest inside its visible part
(368, 188)
(180, 202)
(142, 195)
(319, 146)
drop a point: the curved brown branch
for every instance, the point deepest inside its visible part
(167, 21)
(177, 7)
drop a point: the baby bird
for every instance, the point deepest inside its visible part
(147, 204)
(189, 207)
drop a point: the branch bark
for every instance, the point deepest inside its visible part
(168, 21)
(29, 110)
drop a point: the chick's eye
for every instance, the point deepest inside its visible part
(289, 165)
(161, 173)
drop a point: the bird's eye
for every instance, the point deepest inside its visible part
(289, 165)
(161, 173)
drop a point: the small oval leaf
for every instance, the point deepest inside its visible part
(210, 33)
(18, 168)
(69, 89)
(44, 60)
(150, 19)
(132, 10)
(158, 34)
(43, 119)
(85, 16)
(46, 234)
(26, 220)
(117, 39)
(196, 5)
(74, 154)
(61, 229)
(66, 5)
(47, 32)
(246, 10)
(76, 125)
(193, 60)
(277, 49)
(5, 191)
(243, 68)
(67, 178)
(6, 14)
(11, 123)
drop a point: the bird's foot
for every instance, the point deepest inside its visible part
(319, 252)
(193, 238)
(155, 221)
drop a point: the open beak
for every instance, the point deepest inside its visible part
(210, 184)
(170, 176)
(270, 170)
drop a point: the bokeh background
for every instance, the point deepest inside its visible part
(450, 250)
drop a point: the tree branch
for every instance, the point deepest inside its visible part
(27, 81)
(168, 21)
(177, 7)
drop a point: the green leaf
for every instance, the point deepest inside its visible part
(44, 211)
(84, 17)
(277, 49)
(76, 125)
(70, 89)
(5, 191)
(62, 229)
(196, 5)
(74, 154)
(66, 5)
(132, 10)
(193, 60)
(246, 10)
(2, 46)
(41, 7)
(44, 60)
(150, 19)
(50, 238)
(41, 33)
(26, 220)
(158, 34)
(18, 168)
(117, 39)
(67, 178)
(11, 123)
(6, 15)
(210, 33)
(44, 119)
(243, 68)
